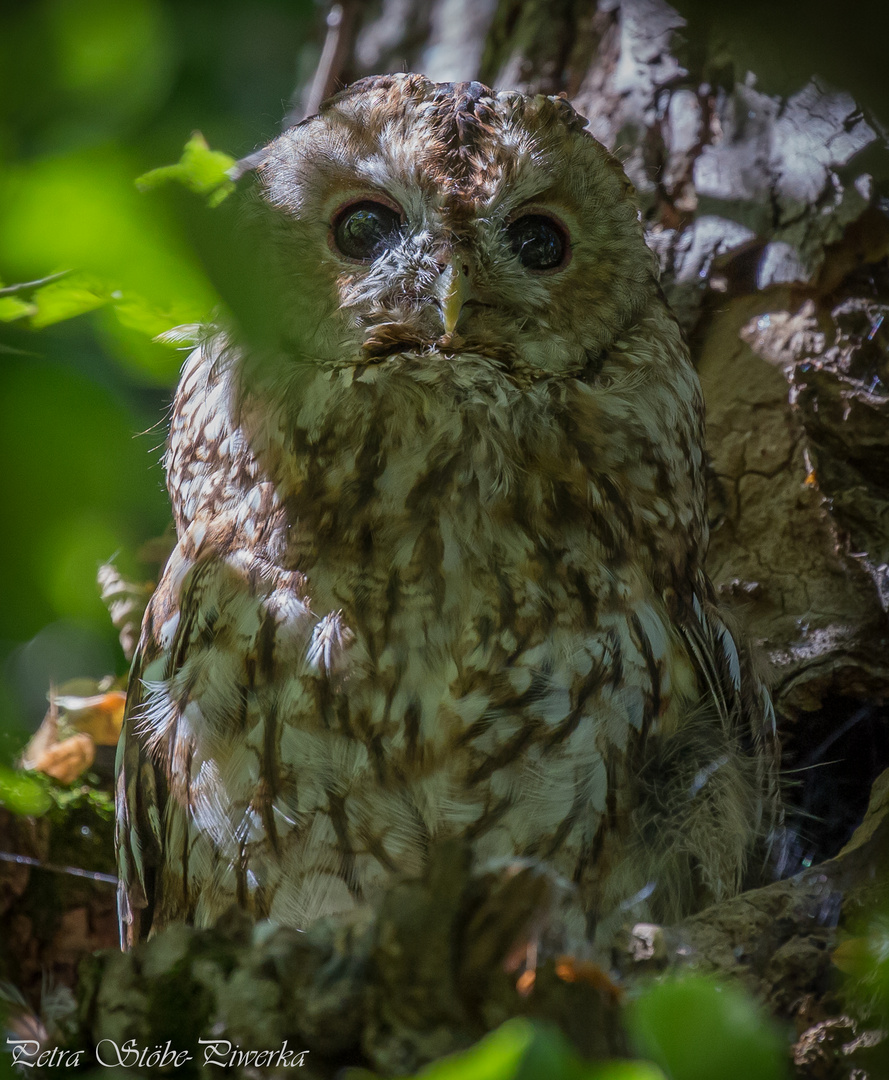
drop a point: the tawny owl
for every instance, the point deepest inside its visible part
(440, 545)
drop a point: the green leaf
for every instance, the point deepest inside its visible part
(497, 1057)
(12, 308)
(73, 295)
(137, 313)
(200, 169)
(629, 1070)
(696, 1029)
(81, 212)
(22, 794)
(523, 1050)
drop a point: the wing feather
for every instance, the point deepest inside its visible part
(141, 794)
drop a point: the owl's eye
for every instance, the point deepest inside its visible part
(540, 242)
(363, 230)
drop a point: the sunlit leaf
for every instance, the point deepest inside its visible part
(73, 295)
(22, 794)
(82, 212)
(137, 313)
(497, 1057)
(13, 307)
(200, 169)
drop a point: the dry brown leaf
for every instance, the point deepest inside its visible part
(68, 759)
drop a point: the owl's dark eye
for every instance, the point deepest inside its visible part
(539, 242)
(363, 230)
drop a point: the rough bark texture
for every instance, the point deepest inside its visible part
(768, 214)
(778, 941)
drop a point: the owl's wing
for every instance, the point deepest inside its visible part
(740, 698)
(707, 782)
(141, 794)
(732, 689)
(198, 757)
(150, 766)
(187, 656)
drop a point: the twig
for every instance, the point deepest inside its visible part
(342, 20)
(27, 286)
(26, 860)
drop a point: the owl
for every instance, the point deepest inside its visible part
(439, 569)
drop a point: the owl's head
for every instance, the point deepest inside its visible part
(430, 218)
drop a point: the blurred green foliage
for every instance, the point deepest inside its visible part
(696, 1029)
(523, 1050)
(863, 957)
(22, 793)
(95, 94)
(688, 1028)
(867, 990)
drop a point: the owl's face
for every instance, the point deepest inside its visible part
(427, 218)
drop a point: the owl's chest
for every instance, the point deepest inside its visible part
(460, 646)
(493, 698)
(471, 592)
(445, 571)
(445, 528)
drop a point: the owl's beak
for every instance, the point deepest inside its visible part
(452, 290)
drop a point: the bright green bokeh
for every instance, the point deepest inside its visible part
(81, 211)
(86, 486)
(22, 794)
(71, 553)
(94, 94)
(79, 72)
(110, 53)
(521, 1049)
(698, 1029)
(105, 48)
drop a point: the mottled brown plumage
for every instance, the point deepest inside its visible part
(439, 568)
